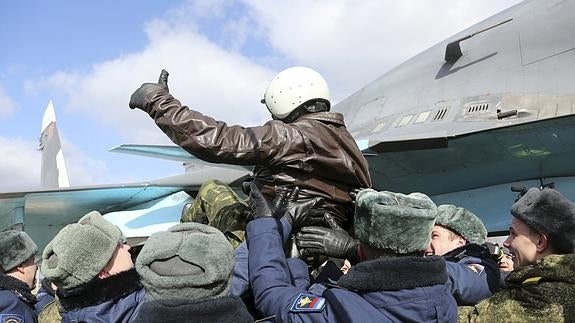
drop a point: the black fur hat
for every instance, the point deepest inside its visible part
(550, 213)
(15, 248)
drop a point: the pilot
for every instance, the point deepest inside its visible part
(186, 271)
(91, 266)
(459, 236)
(541, 288)
(17, 277)
(305, 145)
(394, 282)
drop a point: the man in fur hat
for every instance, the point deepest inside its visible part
(187, 272)
(90, 264)
(542, 287)
(459, 236)
(393, 281)
(17, 277)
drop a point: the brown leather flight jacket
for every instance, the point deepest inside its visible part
(315, 152)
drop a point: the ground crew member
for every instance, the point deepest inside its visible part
(186, 271)
(459, 236)
(92, 268)
(17, 277)
(541, 288)
(392, 283)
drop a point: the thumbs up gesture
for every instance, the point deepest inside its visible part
(163, 81)
(142, 97)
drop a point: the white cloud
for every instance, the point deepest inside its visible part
(19, 165)
(354, 42)
(6, 104)
(223, 85)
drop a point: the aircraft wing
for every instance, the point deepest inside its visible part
(43, 213)
(175, 153)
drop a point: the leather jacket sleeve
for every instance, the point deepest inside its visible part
(214, 141)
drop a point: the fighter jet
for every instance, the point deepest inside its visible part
(489, 108)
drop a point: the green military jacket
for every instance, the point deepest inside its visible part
(543, 292)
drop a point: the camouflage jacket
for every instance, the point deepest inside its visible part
(544, 292)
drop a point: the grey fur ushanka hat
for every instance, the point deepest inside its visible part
(80, 251)
(15, 248)
(462, 222)
(188, 261)
(394, 221)
(548, 212)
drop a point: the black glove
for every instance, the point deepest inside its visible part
(285, 204)
(142, 97)
(298, 212)
(314, 218)
(277, 207)
(258, 203)
(334, 242)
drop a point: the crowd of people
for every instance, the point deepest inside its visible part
(310, 241)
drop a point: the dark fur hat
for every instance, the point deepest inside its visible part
(548, 212)
(15, 248)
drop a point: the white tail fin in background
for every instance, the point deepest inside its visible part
(53, 173)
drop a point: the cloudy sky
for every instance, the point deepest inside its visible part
(89, 56)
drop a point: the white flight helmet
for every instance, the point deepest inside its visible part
(293, 87)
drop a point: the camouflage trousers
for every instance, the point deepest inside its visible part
(219, 206)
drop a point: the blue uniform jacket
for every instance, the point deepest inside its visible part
(282, 289)
(115, 299)
(123, 310)
(472, 279)
(240, 275)
(12, 306)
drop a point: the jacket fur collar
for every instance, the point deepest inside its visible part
(18, 287)
(223, 309)
(98, 291)
(395, 274)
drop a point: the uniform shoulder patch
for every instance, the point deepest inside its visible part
(477, 268)
(306, 302)
(11, 318)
